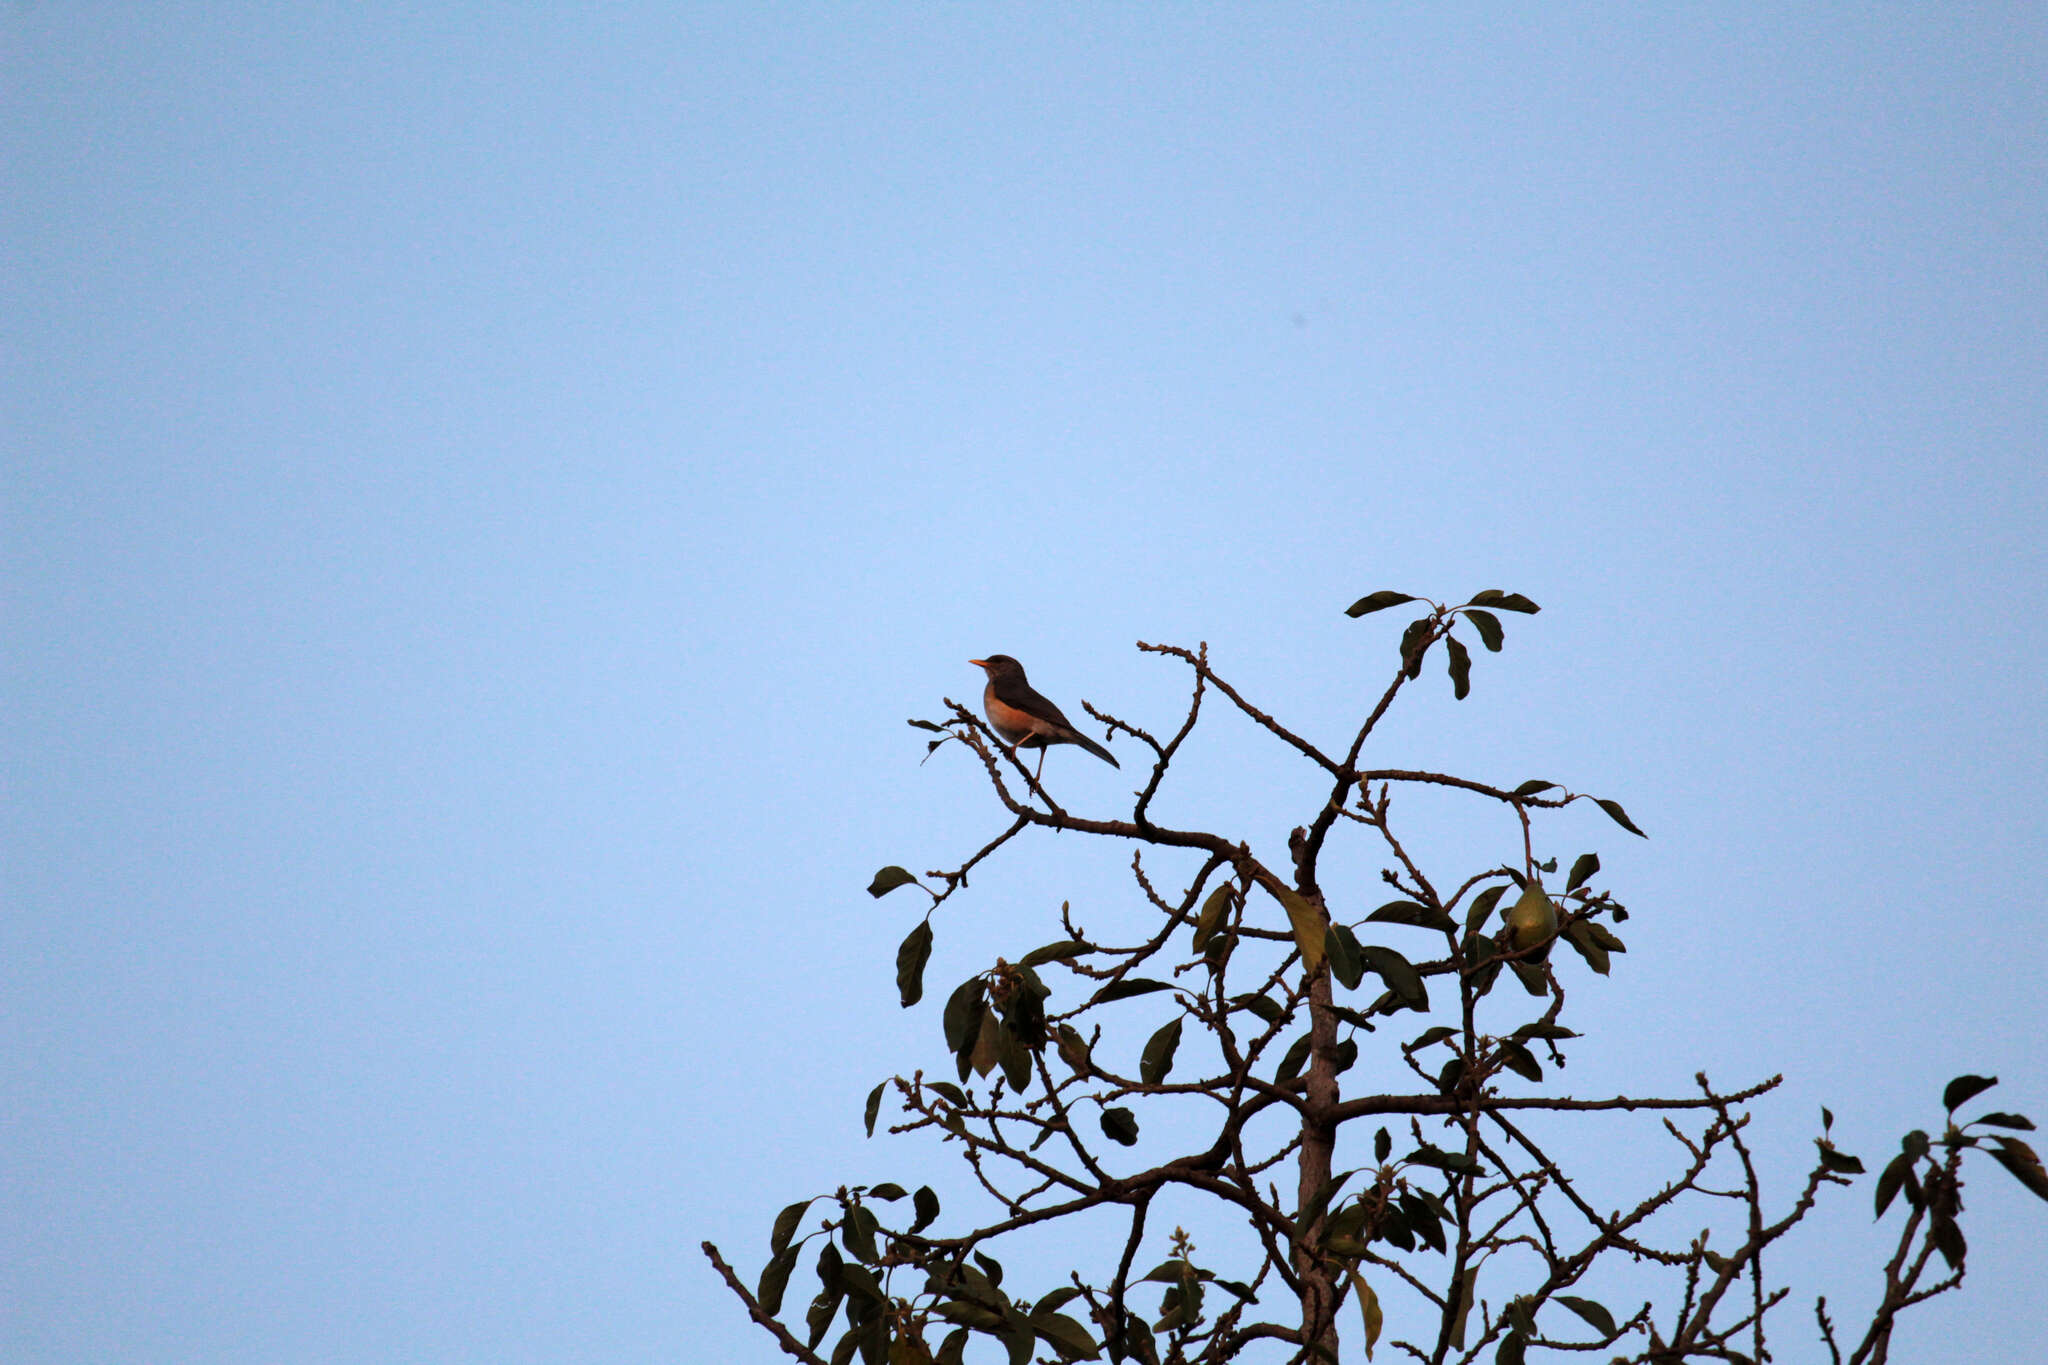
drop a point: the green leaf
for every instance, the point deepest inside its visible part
(1892, 1179)
(926, 1203)
(1532, 787)
(1309, 927)
(1841, 1163)
(1510, 1352)
(1054, 1300)
(1543, 1030)
(1120, 1125)
(1066, 950)
(1291, 1064)
(1215, 912)
(1579, 938)
(963, 1013)
(874, 1108)
(1583, 867)
(2019, 1158)
(969, 1314)
(953, 1350)
(888, 879)
(1947, 1239)
(1488, 625)
(1506, 601)
(1412, 912)
(1432, 1036)
(1345, 963)
(1399, 974)
(857, 1234)
(1460, 666)
(1520, 1060)
(1426, 1221)
(774, 1279)
(932, 726)
(952, 1093)
(1178, 1309)
(1597, 1318)
(1377, 601)
(1482, 906)
(1264, 1006)
(911, 955)
(1368, 1308)
(1618, 815)
(1530, 974)
(1415, 644)
(786, 1222)
(1157, 1059)
(1015, 1060)
(832, 1290)
(1346, 1015)
(991, 1039)
(1382, 1144)
(1238, 1287)
(1963, 1089)
(888, 1192)
(1066, 1336)
(1604, 936)
(1138, 1344)
(1074, 1050)
(1128, 987)
(1428, 1155)
(2004, 1121)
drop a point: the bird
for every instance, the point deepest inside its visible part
(1025, 719)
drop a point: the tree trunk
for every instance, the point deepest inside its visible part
(1318, 1143)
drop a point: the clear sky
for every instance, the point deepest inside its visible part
(483, 489)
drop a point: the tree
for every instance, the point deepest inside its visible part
(1280, 980)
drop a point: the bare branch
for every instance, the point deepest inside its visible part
(759, 1314)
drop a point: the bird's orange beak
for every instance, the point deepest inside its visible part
(979, 663)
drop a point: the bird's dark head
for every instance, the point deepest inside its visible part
(1000, 666)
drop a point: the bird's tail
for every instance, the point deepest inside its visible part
(1092, 747)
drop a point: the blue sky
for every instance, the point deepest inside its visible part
(484, 488)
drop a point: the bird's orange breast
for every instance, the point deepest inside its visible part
(1011, 723)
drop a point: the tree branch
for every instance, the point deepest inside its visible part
(754, 1310)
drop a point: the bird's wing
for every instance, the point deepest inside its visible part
(1026, 699)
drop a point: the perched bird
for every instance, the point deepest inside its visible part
(1024, 719)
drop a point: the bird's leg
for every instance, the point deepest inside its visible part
(1017, 752)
